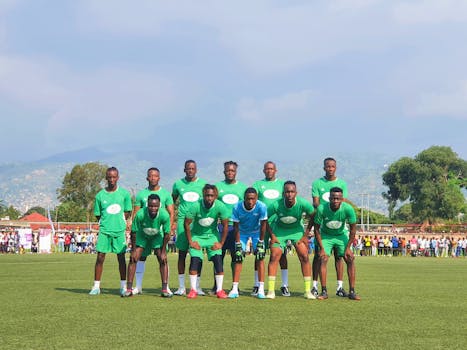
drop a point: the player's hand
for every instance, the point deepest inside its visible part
(304, 240)
(348, 255)
(195, 245)
(163, 257)
(273, 240)
(217, 246)
(238, 256)
(260, 252)
(321, 253)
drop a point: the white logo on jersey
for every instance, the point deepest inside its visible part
(271, 194)
(149, 231)
(113, 209)
(190, 196)
(230, 199)
(334, 225)
(206, 222)
(288, 219)
(326, 196)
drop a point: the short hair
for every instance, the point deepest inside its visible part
(210, 187)
(270, 162)
(154, 196)
(290, 182)
(189, 161)
(112, 168)
(328, 159)
(336, 189)
(153, 169)
(250, 190)
(230, 162)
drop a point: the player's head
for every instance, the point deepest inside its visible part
(154, 203)
(336, 197)
(329, 167)
(111, 175)
(269, 170)
(209, 195)
(190, 169)
(290, 191)
(250, 198)
(230, 170)
(153, 176)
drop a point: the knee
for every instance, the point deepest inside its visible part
(324, 259)
(195, 263)
(218, 266)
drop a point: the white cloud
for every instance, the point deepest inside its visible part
(431, 11)
(445, 104)
(290, 106)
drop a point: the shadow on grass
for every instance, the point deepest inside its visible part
(111, 291)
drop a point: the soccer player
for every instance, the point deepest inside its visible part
(230, 192)
(151, 228)
(112, 207)
(320, 192)
(166, 201)
(250, 222)
(188, 191)
(204, 235)
(288, 225)
(269, 191)
(331, 233)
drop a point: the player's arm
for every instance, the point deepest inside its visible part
(225, 231)
(191, 243)
(316, 201)
(319, 241)
(352, 233)
(236, 226)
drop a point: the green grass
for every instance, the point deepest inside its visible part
(417, 303)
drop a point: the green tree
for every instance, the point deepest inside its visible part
(431, 182)
(79, 188)
(70, 212)
(9, 211)
(39, 210)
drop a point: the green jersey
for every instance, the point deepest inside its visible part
(333, 222)
(231, 194)
(144, 224)
(111, 208)
(142, 197)
(269, 191)
(205, 219)
(321, 187)
(290, 218)
(188, 192)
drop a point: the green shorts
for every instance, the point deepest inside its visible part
(181, 243)
(148, 243)
(338, 242)
(205, 242)
(111, 244)
(285, 235)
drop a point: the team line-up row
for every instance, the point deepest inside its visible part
(212, 219)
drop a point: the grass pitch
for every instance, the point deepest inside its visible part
(416, 303)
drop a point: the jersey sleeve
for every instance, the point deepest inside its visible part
(139, 200)
(319, 215)
(225, 213)
(345, 192)
(263, 211)
(351, 216)
(175, 190)
(97, 207)
(308, 207)
(235, 216)
(315, 189)
(136, 221)
(127, 201)
(168, 199)
(272, 209)
(165, 223)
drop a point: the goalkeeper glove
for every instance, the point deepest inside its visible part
(260, 252)
(238, 257)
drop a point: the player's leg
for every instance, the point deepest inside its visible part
(315, 267)
(276, 253)
(99, 266)
(284, 274)
(164, 272)
(302, 253)
(134, 257)
(182, 246)
(339, 265)
(237, 258)
(327, 245)
(195, 262)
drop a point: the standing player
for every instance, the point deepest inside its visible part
(320, 192)
(288, 225)
(269, 191)
(188, 191)
(250, 222)
(166, 201)
(151, 228)
(204, 235)
(112, 207)
(331, 233)
(230, 192)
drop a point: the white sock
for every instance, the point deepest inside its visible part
(315, 285)
(139, 274)
(197, 283)
(181, 281)
(123, 284)
(256, 278)
(97, 284)
(285, 277)
(235, 287)
(261, 288)
(193, 280)
(339, 285)
(219, 282)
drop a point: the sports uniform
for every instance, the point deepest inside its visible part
(150, 232)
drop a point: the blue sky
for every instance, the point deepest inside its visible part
(282, 78)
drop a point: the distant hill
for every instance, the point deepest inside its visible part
(25, 185)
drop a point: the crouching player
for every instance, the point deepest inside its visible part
(250, 219)
(204, 215)
(330, 232)
(151, 226)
